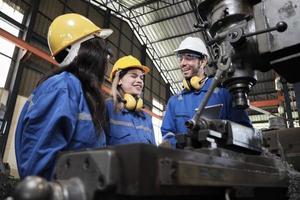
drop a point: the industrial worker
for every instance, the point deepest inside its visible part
(128, 123)
(193, 57)
(66, 110)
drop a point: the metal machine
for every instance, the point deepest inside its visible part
(218, 159)
(7, 182)
(255, 35)
(141, 171)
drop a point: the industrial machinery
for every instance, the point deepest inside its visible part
(255, 35)
(217, 159)
(140, 171)
(7, 182)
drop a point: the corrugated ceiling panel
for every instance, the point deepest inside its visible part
(171, 27)
(164, 13)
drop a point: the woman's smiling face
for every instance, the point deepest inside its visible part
(133, 82)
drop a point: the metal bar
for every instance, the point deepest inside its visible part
(267, 103)
(119, 39)
(107, 19)
(287, 103)
(25, 46)
(264, 112)
(260, 110)
(175, 36)
(255, 94)
(12, 21)
(167, 18)
(162, 7)
(2, 54)
(297, 94)
(145, 3)
(167, 55)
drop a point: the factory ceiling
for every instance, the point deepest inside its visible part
(161, 26)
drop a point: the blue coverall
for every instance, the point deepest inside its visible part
(181, 108)
(127, 127)
(55, 118)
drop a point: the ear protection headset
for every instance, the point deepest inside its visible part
(132, 103)
(194, 83)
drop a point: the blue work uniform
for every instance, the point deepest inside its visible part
(181, 108)
(127, 127)
(55, 118)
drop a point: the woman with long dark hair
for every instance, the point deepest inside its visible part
(66, 111)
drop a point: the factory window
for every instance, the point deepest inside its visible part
(157, 109)
(6, 47)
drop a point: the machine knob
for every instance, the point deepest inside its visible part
(281, 26)
(33, 188)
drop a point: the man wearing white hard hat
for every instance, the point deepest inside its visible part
(193, 57)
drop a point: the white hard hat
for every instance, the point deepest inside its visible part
(193, 44)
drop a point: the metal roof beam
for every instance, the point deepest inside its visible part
(167, 18)
(167, 55)
(162, 7)
(12, 21)
(171, 70)
(145, 3)
(175, 36)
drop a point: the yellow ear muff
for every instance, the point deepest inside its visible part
(194, 83)
(139, 104)
(186, 84)
(131, 103)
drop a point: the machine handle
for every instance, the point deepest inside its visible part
(237, 36)
(280, 27)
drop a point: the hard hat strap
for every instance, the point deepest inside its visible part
(73, 51)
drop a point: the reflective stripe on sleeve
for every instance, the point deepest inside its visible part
(129, 124)
(144, 128)
(30, 101)
(84, 116)
(122, 123)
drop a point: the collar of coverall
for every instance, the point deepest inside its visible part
(139, 113)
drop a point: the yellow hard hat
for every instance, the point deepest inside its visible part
(127, 62)
(69, 28)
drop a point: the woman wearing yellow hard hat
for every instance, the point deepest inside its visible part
(128, 123)
(65, 111)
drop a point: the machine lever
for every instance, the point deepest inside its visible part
(280, 27)
(237, 36)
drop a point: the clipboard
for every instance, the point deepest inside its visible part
(212, 112)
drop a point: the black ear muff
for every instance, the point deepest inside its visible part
(132, 103)
(195, 83)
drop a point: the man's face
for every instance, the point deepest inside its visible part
(190, 65)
